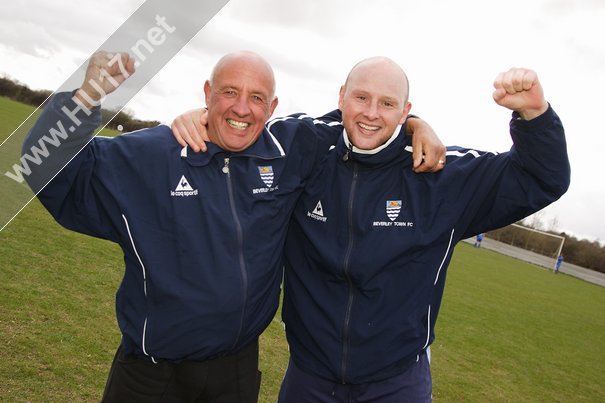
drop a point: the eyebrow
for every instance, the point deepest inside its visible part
(252, 92)
(391, 100)
(388, 98)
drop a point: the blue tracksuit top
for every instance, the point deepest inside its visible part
(202, 234)
(370, 241)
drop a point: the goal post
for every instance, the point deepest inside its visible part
(534, 240)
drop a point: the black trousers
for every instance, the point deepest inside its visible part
(231, 379)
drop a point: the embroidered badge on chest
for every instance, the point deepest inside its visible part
(393, 209)
(266, 174)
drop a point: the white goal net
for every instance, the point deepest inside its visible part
(540, 242)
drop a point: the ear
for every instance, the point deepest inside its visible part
(273, 106)
(207, 91)
(341, 97)
(406, 111)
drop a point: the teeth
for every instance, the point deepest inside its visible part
(367, 127)
(237, 125)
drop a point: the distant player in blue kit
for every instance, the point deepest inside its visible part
(478, 240)
(559, 263)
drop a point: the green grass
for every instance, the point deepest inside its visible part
(57, 326)
(14, 194)
(507, 332)
(13, 113)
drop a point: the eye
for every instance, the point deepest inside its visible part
(230, 93)
(257, 99)
(361, 98)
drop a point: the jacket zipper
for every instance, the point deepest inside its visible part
(347, 318)
(240, 247)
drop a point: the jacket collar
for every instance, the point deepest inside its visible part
(396, 149)
(265, 147)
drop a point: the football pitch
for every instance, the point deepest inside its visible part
(508, 331)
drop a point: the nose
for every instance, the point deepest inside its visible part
(371, 111)
(241, 106)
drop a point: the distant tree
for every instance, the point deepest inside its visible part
(117, 118)
(553, 224)
(8, 88)
(39, 97)
(22, 93)
(125, 120)
(535, 221)
(136, 124)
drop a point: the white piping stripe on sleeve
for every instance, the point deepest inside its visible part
(268, 127)
(474, 153)
(301, 117)
(143, 343)
(137, 254)
(458, 153)
(317, 121)
(455, 153)
(428, 329)
(144, 285)
(428, 320)
(273, 121)
(444, 257)
(281, 150)
(320, 122)
(184, 152)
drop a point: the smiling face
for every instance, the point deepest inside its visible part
(240, 99)
(373, 102)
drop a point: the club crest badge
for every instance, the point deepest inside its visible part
(393, 209)
(266, 174)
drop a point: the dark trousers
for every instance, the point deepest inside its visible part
(231, 379)
(412, 386)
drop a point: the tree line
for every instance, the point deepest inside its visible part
(581, 252)
(123, 121)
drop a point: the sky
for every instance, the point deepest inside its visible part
(451, 52)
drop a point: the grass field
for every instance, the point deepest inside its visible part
(508, 331)
(14, 194)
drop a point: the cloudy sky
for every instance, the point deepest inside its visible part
(451, 51)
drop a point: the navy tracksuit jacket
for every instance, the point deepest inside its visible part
(370, 241)
(202, 234)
